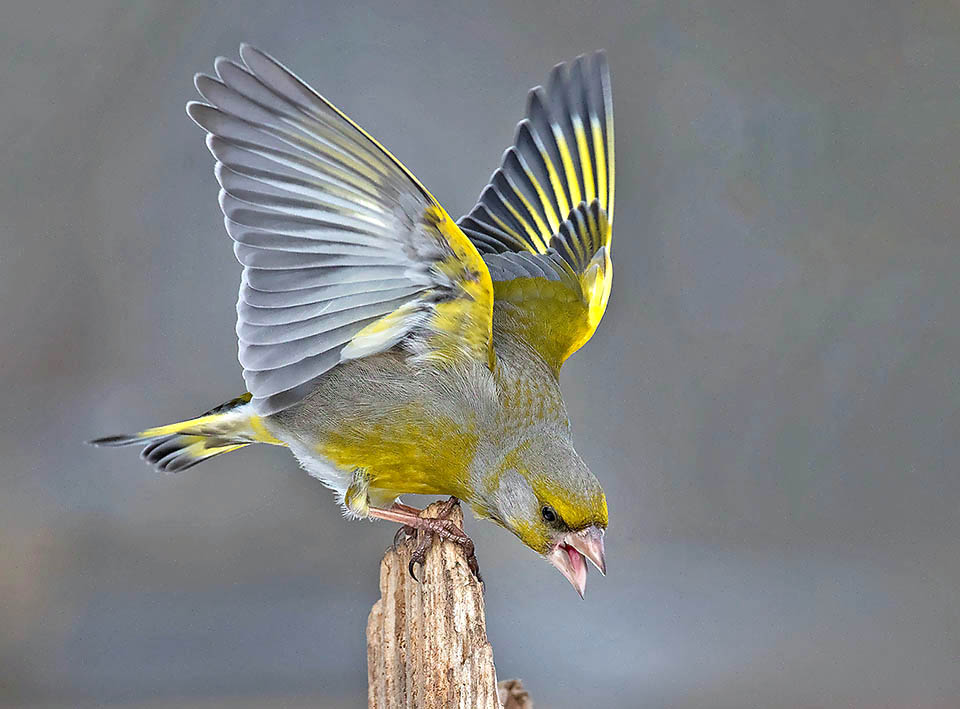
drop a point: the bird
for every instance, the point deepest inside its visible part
(392, 349)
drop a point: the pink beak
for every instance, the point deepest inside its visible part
(572, 551)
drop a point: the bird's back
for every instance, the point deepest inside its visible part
(416, 429)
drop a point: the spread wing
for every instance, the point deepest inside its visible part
(543, 223)
(345, 254)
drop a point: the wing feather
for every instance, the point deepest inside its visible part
(544, 222)
(335, 235)
(316, 294)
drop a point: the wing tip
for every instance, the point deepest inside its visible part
(251, 55)
(221, 61)
(247, 48)
(204, 83)
(196, 111)
(535, 97)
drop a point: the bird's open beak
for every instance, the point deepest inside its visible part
(572, 551)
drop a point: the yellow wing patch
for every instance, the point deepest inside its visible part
(464, 324)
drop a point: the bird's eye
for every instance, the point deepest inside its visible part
(549, 514)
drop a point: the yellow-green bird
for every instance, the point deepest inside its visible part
(392, 349)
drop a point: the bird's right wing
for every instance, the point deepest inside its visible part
(345, 253)
(544, 222)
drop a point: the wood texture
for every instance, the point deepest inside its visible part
(427, 642)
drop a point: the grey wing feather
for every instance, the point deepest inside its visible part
(325, 222)
(571, 250)
(509, 265)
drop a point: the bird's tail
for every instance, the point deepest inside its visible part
(178, 446)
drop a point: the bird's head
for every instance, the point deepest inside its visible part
(544, 493)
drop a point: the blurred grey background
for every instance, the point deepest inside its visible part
(771, 402)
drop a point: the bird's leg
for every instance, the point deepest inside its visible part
(400, 507)
(405, 531)
(427, 528)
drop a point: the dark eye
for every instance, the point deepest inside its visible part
(549, 514)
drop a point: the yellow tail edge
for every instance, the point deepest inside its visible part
(181, 445)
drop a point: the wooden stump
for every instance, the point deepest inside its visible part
(427, 642)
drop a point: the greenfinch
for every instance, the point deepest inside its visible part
(392, 349)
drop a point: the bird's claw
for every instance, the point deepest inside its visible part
(426, 529)
(474, 567)
(405, 532)
(419, 554)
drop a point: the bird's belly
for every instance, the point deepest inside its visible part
(384, 459)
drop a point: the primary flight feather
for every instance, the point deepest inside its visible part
(393, 350)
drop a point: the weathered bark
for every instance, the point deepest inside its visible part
(427, 642)
(513, 695)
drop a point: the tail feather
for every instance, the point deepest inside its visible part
(172, 454)
(181, 445)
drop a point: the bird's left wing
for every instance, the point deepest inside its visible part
(345, 253)
(543, 223)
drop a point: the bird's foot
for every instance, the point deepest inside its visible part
(426, 530)
(432, 527)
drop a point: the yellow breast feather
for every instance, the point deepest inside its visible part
(411, 453)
